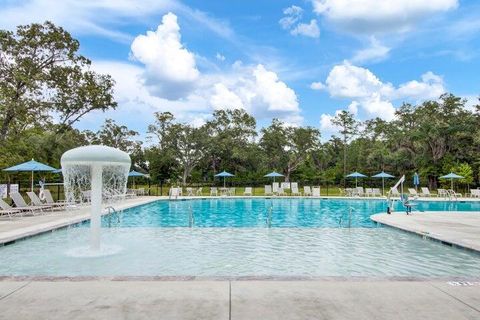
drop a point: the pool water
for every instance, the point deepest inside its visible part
(261, 212)
(230, 237)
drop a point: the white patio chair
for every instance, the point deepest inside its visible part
(268, 190)
(295, 191)
(275, 187)
(316, 192)
(412, 192)
(425, 192)
(307, 191)
(248, 191)
(213, 191)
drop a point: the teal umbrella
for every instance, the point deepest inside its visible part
(224, 174)
(273, 175)
(134, 174)
(30, 166)
(383, 175)
(451, 176)
(356, 175)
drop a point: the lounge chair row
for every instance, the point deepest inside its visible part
(36, 206)
(269, 190)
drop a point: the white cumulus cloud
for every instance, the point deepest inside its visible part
(292, 15)
(291, 21)
(372, 96)
(374, 52)
(170, 69)
(307, 29)
(374, 16)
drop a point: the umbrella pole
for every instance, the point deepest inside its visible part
(223, 182)
(451, 183)
(32, 181)
(356, 182)
(383, 186)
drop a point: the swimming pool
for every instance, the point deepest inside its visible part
(231, 237)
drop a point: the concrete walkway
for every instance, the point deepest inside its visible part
(239, 300)
(459, 228)
(21, 227)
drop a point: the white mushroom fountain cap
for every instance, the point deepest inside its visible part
(95, 154)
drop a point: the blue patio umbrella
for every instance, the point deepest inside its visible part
(57, 171)
(451, 176)
(273, 175)
(134, 174)
(356, 175)
(383, 175)
(30, 166)
(224, 174)
(416, 180)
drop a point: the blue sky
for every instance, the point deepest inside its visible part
(300, 61)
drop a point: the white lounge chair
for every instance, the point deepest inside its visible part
(412, 192)
(285, 185)
(268, 190)
(231, 191)
(475, 193)
(281, 192)
(190, 192)
(425, 192)
(454, 194)
(275, 187)
(295, 191)
(248, 191)
(49, 199)
(349, 192)
(8, 210)
(376, 192)
(316, 192)
(22, 205)
(394, 192)
(199, 191)
(35, 200)
(442, 193)
(173, 193)
(307, 191)
(213, 191)
(86, 196)
(359, 191)
(368, 192)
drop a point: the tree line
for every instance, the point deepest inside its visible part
(46, 86)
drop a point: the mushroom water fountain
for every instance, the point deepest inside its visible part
(97, 170)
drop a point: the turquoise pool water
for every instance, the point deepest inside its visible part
(230, 237)
(260, 212)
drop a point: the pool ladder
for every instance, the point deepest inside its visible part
(269, 217)
(349, 217)
(191, 217)
(112, 213)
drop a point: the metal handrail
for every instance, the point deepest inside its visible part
(350, 209)
(269, 217)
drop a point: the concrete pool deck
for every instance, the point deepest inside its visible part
(239, 300)
(461, 229)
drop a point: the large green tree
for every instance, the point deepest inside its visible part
(43, 77)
